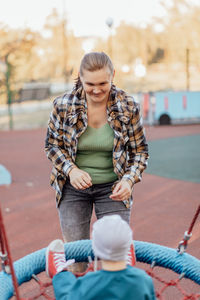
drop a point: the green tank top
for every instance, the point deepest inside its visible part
(94, 154)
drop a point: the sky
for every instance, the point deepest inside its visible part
(85, 17)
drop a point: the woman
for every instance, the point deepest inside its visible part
(96, 143)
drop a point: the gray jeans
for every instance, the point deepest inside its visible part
(76, 206)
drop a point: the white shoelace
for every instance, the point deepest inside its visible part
(131, 255)
(129, 258)
(61, 263)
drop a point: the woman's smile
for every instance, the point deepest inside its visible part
(97, 84)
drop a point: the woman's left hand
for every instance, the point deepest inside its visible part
(122, 191)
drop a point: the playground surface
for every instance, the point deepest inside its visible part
(163, 207)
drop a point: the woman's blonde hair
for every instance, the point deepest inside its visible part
(94, 61)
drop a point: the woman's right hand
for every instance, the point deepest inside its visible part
(80, 179)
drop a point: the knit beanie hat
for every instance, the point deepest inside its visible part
(111, 238)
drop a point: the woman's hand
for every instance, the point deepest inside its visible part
(122, 191)
(80, 179)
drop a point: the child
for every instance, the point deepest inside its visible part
(111, 241)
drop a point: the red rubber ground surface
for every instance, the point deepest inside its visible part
(162, 211)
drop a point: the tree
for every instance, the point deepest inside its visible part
(61, 48)
(14, 50)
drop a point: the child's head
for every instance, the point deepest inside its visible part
(111, 238)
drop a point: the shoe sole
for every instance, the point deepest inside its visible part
(47, 260)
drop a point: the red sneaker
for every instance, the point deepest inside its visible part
(55, 258)
(131, 260)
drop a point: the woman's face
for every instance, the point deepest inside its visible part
(97, 85)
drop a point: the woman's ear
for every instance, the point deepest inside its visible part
(113, 74)
(79, 76)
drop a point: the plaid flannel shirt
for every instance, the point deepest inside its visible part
(68, 121)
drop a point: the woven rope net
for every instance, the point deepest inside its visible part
(182, 265)
(26, 280)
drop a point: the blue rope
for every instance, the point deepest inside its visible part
(165, 257)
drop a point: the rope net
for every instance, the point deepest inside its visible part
(168, 284)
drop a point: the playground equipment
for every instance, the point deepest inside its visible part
(171, 107)
(29, 266)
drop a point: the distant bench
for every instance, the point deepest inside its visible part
(39, 93)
